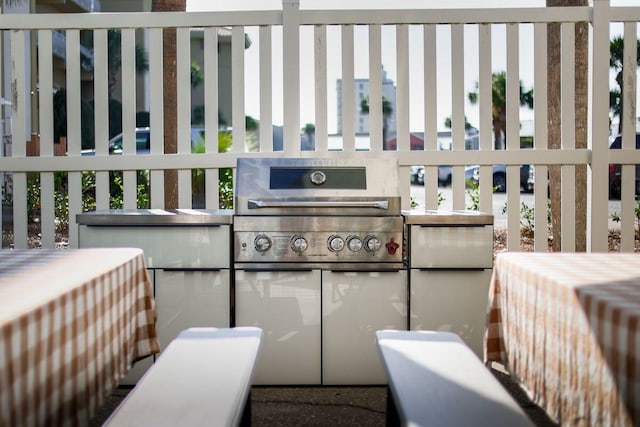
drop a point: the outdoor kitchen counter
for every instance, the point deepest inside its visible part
(446, 217)
(156, 217)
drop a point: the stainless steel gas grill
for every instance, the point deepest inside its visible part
(318, 260)
(317, 213)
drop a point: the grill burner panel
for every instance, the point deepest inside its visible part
(322, 241)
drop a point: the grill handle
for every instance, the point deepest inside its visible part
(260, 204)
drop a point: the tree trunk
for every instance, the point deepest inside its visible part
(582, 75)
(554, 124)
(169, 98)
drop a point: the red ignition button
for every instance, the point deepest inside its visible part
(392, 247)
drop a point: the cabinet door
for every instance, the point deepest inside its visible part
(452, 247)
(166, 246)
(451, 300)
(191, 298)
(354, 307)
(286, 305)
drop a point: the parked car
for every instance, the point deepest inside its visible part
(500, 177)
(417, 175)
(615, 170)
(444, 175)
(143, 141)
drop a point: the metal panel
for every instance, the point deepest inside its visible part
(286, 306)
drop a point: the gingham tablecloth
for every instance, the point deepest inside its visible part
(72, 322)
(568, 327)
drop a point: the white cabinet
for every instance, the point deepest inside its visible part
(286, 305)
(354, 306)
(186, 299)
(451, 260)
(166, 246)
(451, 246)
(188, 255)
(453, 301)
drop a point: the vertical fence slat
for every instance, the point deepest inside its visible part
(101, 111)
(73, 129)
(402, 106)
(375, 88)
(485, 116)
(457, 113)
(291, 75)
(540, 137)
(129, 179)
(183, 70)
(513, 135)
(156, 100)
(73, 92)
(348, 90)
(75, 205)
(568, 132)
(628, 183)
(211, 184)
(402, 97)
(599, 128)
(45, 94)
(211, 103)
(266, 90)
(430, 62)
(321, 101)
(183, 76)
(237, 88)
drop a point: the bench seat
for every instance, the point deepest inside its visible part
(203, 377)
(436, 380)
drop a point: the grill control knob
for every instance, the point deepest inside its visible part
(335, 243)
(354, 243)
(372, 244)
(298, 244)
(262, 243)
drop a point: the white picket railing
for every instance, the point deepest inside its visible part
(291, 19)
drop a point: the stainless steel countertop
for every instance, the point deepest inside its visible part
(143, 217)
(446, 217)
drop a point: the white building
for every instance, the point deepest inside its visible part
(361, 88)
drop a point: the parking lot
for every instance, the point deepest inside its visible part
(499, 200)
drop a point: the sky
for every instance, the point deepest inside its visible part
(307, 113)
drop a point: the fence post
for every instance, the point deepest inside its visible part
(597, 179)
(291, 75)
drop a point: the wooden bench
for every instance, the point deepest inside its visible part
(203, 377)
(434, 379)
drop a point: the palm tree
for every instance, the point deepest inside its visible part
(170, 97)
(499, 105)
(387, 111)
(616, 48)
(309, 131)
(114, 46)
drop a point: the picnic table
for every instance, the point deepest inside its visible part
(72, 322)
(567, 326)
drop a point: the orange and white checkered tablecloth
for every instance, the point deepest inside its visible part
(567, 326)
(72, 322)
